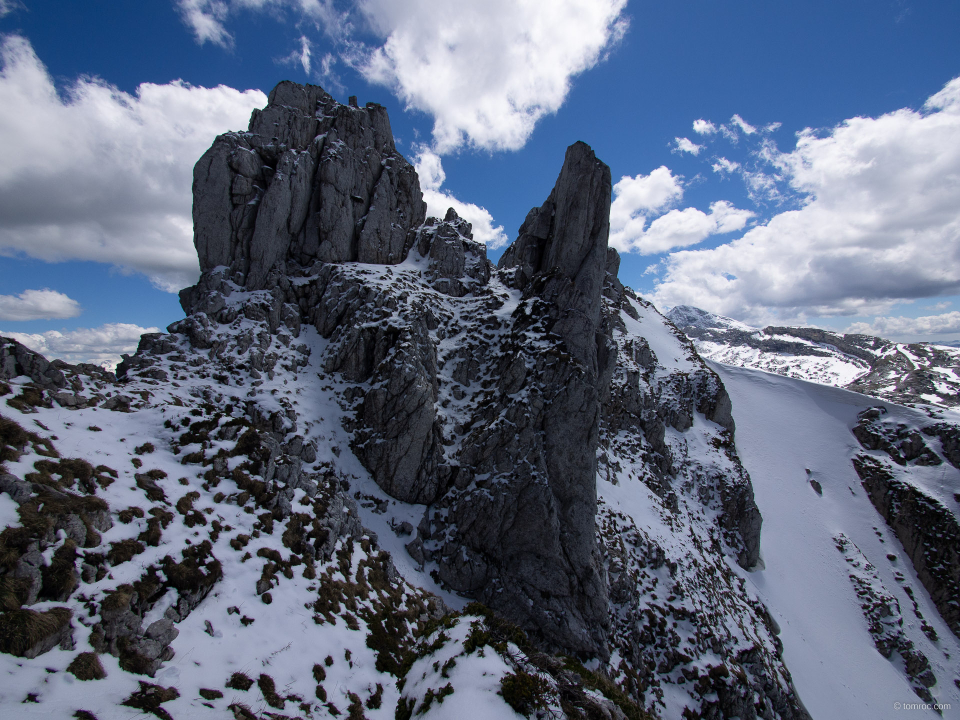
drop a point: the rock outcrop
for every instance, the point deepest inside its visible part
(16, 360)
(349, 368)
(311, 180)
(313, 185)
(929, 532)
(884, 618)
(518, 528)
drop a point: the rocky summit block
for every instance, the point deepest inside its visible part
(311, 179)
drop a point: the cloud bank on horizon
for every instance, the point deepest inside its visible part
(854, 220)
(877, 223)
(103, 175)
(103, 346)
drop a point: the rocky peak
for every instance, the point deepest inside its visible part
(478, 413)
(563, 244)
(311, 180)
(452, 401)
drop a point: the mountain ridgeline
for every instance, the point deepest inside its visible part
(385, 425)
(904, 373)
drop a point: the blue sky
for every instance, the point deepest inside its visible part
(852, 225)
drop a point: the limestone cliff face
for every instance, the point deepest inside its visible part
(508, 470)
(311, 180)
(485, 401)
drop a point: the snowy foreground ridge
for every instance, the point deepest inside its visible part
(371, 475)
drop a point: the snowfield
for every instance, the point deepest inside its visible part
(790, 432)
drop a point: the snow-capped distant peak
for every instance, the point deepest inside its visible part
(684, 316)
(899, 372)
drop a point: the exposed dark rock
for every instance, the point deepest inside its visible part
(563, 245)
(528, 549)
(929, 533)
(310, 180)
(902, 444)
(641, 402)
(949, 436)
(454, 257)
(884, 620)
(17, 360)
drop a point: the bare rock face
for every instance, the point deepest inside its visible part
(311, 180)
(457, 264)
(518, 528)
(16, 360)
(929, 532)
(476, 392)
(563, 245)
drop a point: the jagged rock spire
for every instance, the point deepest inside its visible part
(565, 242)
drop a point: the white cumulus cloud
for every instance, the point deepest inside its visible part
(687, 145)
(880, 224)
(689, 226)
(100, 346)
(704, 127)
(894, 326)
(637, 199)
(486, 70)
(430, 169)
(99, 174)
(38, 305)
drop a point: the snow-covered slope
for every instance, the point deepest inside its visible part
(303, 593)
(905, 373)
(827, 552)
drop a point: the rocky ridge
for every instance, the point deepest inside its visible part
(905, 373)
(368, 416)
(928, 530)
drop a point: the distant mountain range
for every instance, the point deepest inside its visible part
(905, 373)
